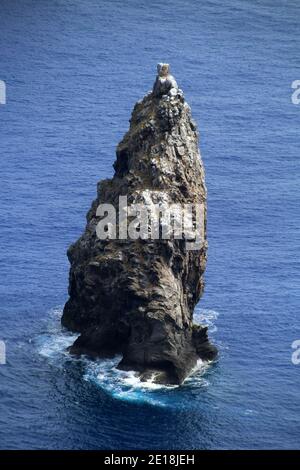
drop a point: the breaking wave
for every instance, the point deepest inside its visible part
(123, 385)
(206, 317)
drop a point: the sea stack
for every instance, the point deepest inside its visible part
(135, 296)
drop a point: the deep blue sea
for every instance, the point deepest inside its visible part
(73, 72)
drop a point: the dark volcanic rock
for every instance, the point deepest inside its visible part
(136, 297)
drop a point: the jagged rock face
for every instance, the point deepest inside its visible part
(136, 297)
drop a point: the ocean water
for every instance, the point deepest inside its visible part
(73, 72)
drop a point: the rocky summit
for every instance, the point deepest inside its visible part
(135, 296)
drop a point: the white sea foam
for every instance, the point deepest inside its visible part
(54, 342)
(206, 317)
(124, 385)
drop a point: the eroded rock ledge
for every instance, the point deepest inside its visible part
(136, 297)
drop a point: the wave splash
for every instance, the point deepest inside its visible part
(123, 385)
